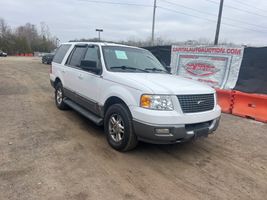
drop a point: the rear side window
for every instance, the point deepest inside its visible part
(77, 56)
(61, 52)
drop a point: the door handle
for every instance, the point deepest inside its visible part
(63, 71)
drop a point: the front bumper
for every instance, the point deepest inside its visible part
(177, 133)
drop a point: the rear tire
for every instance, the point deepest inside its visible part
(119, 129)
(59, 96)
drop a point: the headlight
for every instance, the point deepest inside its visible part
(156, 102)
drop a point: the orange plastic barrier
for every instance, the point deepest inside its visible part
(250, 106)
(225, 100)
(24, 54)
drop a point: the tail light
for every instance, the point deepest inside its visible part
(50, 70)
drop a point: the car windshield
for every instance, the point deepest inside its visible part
(127, 59)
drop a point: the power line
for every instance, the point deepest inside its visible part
(146, 5)
(249, 5)
(186, 7)
(183, 13)
(129, 4)
(116, 3)
(239, 9)
(207, 19)
(171, 10)
(213, 15)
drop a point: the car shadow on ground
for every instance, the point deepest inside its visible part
(98, 132)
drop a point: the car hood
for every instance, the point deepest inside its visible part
(158, 83)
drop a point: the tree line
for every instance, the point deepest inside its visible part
(25, 38)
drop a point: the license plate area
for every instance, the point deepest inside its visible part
(201, 132)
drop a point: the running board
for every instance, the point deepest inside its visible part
(91, 116)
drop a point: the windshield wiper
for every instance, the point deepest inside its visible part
(156, 69)
(127, 67)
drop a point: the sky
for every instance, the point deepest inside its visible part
(177, 20)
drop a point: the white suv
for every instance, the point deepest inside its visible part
(127, 90)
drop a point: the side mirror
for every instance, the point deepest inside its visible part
(89, 65)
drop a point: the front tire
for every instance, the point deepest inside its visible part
(119, 129)
(59, 96)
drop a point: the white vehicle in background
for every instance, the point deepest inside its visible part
(127, 90)
(3, 54)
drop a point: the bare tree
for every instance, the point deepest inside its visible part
(25, 39)
(4, 28)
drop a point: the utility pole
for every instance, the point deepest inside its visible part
(153, 22)
(99, 31)
(218, 23)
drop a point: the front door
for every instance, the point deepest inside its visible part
(89, 81)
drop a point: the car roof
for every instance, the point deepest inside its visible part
(102, 44)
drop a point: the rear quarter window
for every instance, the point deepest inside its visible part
(61, 52)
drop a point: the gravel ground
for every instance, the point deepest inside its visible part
(46, 153)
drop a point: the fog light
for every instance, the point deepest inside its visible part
(162, 130)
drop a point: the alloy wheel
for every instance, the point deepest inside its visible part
(116, 127)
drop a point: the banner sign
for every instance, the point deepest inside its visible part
(217, 66)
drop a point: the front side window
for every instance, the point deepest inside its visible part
(61, 52)
(127, 59)
(92, 54)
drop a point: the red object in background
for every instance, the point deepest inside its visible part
(250, 106)
(225, 99)
(24, 54)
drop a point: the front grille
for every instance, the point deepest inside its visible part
(196, 103)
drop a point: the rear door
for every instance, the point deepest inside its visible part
(73, 70)
(58, 67)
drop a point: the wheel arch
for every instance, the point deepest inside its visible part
(114, 100)
(57, 80)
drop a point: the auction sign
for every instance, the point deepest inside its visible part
(217, 66)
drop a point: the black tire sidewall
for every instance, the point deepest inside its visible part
(128, 130)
